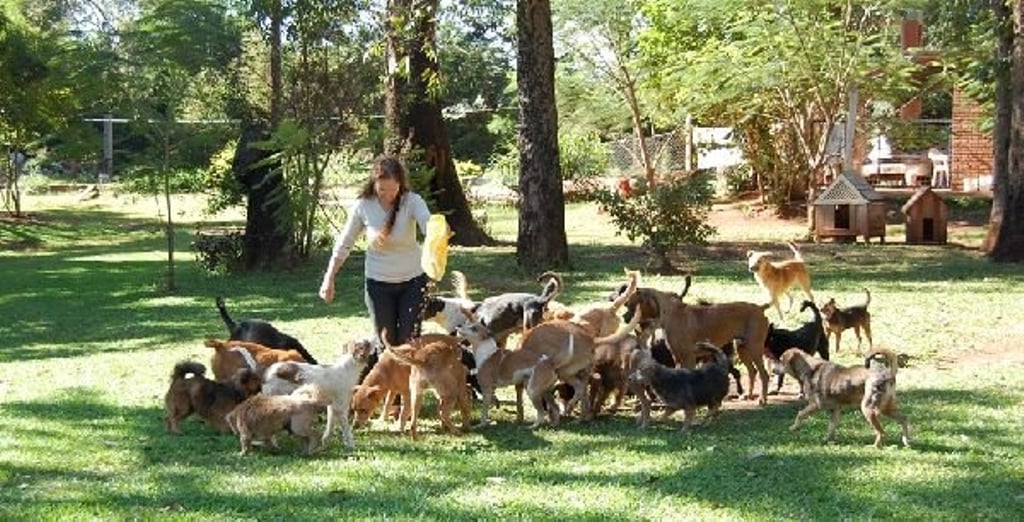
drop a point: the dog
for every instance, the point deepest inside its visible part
(777, 277)
(229, 356)
(839, 319)
(507, 313)
(388, 380)
(810, 338)
(333, 384)
(717, 323)
(261, 417)
(682, 388)
(449, 312)
(191, 392)
(569, 350)
(435, 360)
(261, 332)
(834, 387)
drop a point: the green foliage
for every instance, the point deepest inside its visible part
(220, 182)
(672, 214)
(582, 156)
(219, 251)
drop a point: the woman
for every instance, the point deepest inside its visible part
(388, 212)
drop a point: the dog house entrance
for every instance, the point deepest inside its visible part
(842, 216)
(928, 230)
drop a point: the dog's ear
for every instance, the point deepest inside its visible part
(287, 371)
(750, 253)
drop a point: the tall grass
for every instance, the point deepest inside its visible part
(90, 340)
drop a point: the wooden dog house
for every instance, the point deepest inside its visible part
(927, 217)
(849, 207)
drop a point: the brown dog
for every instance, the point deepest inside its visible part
(684, 325)
(211, 400)
(778, 277)
(612, 366)
(436, 360)
(834, 387)
(388, 379)
(229, 356)
(839, 319)
(261, 417)
(569, 352)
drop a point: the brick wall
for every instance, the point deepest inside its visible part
(970, 158)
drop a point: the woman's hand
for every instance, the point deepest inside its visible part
(327, 289)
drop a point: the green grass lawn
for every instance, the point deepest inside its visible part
(90, 339)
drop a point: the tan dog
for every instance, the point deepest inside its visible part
(389, 378)
(228, 356)
(778, 277)
(600, 319)
(191, 392)
(568, 350)
(684, 325)
(261, 417)
(436, 360)
(834, 387)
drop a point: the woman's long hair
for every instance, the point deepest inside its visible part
(387, 167)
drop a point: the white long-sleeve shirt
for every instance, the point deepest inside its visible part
(396, 259)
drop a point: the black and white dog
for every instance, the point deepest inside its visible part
(260, 332)
(809, 338)
(450, 312)
(504, 314)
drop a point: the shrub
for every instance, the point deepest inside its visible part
(672, 213)
(219, 251)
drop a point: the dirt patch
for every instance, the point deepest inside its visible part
(987, 355)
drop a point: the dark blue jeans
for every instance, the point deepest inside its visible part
(397, 307)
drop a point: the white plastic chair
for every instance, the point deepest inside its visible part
(940, 168)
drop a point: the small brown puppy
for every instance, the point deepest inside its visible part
(839, 319)
(834, 387)
(211, 400)
(261, 417)
(436, 360)
(389, 378)
(777, 277)
(229, 356)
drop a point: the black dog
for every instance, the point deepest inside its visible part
(682, 388)
(663, 354)
(505, 313)
(261, 332)
(810, 338)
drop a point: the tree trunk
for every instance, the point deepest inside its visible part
(267, 242)
(276, 89)
(413, 116)
(1001, 130)
(1009, 242)
(541, 241)
(169, 230)
(638, 128)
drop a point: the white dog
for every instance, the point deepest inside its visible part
(451, 312)
(333, 383)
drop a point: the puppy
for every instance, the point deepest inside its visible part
(435, 360)
(191, 392)
(507, 313)
(229, 356)
(839, 319)
(777, 277)
(333, 384)
(834, 387)
(261, 417)
(260, 332)
(810, 338)
(388, 379)
(682, 388)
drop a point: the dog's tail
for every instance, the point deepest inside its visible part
(250, 361)
(634, 278)
(553, 286)
(228, 321)
(796, 251)
(460, 284)
(721, 359)
(687, 281)
(183, 368)
(821, 342)
(890, 357)
(406, 354)
(623, 331)
(868, 301)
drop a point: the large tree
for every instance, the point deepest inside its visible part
(541, 241)
(413, 113)
(1008, 243)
